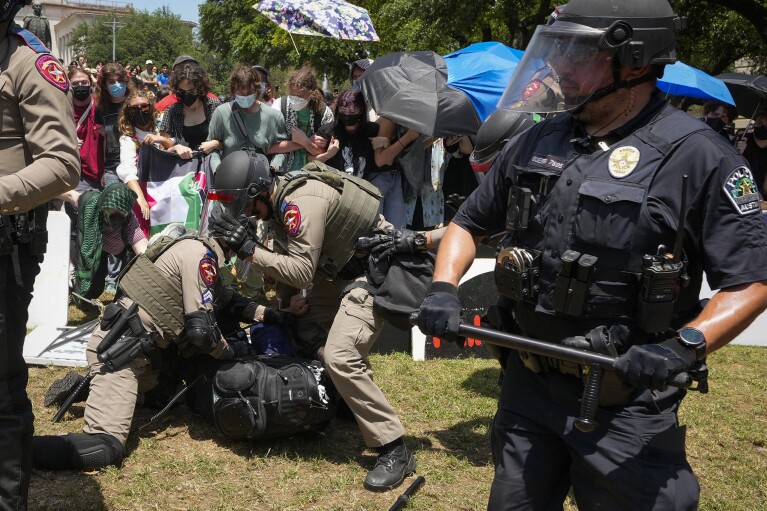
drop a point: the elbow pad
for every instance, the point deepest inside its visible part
(201, 331)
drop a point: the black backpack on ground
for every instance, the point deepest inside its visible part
(269, 397)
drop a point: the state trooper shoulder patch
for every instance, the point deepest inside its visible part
(208, 271)
(742, 191)
(52, 71)
(291, 219)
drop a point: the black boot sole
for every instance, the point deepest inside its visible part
(60, 390)
(409, 470)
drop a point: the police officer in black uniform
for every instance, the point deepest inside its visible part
(591, 200)
(40, 160)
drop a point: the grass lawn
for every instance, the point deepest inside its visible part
(446, 406)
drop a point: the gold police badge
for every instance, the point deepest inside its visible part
(623, 161)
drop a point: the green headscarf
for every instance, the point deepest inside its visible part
(90, 223)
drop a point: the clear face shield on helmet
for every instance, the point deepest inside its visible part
(560, 70)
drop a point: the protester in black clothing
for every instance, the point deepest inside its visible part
(754, 148)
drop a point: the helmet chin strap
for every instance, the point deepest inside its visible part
(605, 91)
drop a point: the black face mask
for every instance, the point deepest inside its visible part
(140, 118)
(81, 92)
(760, 132)
(349, 119)
(715, 123)
(186, 97)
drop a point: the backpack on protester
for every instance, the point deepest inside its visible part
(269, 397)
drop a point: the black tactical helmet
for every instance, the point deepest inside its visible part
(497, 129)
(9, 8)
(641, 32)
(244, 170)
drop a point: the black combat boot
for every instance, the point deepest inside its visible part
(394, 463)
(60, 390)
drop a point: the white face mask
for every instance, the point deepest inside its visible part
(298, 103)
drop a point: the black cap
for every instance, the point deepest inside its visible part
(262, 70)
(182, 59)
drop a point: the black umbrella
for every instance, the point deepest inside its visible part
(748, 91)
(411, 89)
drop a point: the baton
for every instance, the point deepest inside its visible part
(403, 500)
(72, 396)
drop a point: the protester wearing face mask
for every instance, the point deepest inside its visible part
(137, 125)
(113, 88)
(186, 122)
(89, 138)
(716, 116)
(754, 148)
(353, 136)
(265, 90)
(304, 111)
(263, 126)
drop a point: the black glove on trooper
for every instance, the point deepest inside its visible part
(653, 365)
(233, 231)
(387, 242)
(440, 312)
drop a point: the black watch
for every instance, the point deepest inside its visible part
(693, 339)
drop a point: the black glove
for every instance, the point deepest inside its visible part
(243, 349)
(401, 241)
(367, 243)
(233, 231)
(440, 312)
(609, 341)
(276, 316)
(653, 365)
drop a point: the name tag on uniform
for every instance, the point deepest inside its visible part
(547, 162)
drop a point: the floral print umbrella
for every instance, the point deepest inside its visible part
(325, 18)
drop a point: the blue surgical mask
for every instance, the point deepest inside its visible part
(263, 89)
(245, 101)
(356, 85)
(117, 90)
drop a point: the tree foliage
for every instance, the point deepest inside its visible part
(160, 36)
(719, 33)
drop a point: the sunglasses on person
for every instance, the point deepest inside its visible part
(146, 107)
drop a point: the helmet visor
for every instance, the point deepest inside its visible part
(237, 203)
(560, 70)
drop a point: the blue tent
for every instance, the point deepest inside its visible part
(680, 79)
(482, 71)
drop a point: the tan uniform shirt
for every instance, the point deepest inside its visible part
(38, 143)
(299, 234)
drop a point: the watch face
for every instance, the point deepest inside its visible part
(692, 336)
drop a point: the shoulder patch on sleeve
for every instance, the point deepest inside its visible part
(291, 219)
(742, 191)
(52, 71)
(208, 271)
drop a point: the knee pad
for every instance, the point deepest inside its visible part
(94, 451)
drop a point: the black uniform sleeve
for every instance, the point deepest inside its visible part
(731, 233)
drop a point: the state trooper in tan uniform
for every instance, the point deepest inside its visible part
(38, 150)
(316, 227)
(174, 287)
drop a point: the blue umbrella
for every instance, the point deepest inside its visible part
(482, 71)
(680, 79)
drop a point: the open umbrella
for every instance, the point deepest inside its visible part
(680, 79)
(482, 71)
(749, 91)
(411, 89)
(324, 18)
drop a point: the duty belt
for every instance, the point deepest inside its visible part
(24, 228)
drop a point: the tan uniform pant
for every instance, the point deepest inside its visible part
(112, 398)
(350, 329)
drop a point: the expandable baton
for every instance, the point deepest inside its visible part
(595, 364)
(117, 330)
(72, 396)
(404, 499)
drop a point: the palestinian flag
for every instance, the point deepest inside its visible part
(174, 188)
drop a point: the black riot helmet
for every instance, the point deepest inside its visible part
(240, 179)
(497, 129)
(626, 33)
(9, 8)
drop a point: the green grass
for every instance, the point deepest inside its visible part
(446, 407)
